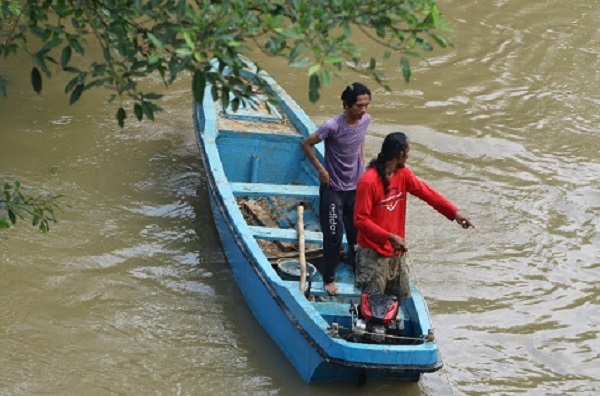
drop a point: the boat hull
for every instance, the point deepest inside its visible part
(267, 308)
(243, 163)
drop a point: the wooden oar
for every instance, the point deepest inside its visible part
(302, 256)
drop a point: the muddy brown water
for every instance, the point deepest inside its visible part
(130, 293)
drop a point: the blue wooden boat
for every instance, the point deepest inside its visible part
(257, 175)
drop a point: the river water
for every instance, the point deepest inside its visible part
(130, 293)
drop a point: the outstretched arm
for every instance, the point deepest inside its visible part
(433, 198)
(420, 189)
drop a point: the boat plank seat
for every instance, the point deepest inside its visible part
(280, 190)
(285, 234)
(334, 312)
(344, 290)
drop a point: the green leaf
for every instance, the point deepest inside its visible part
(36, 80)
(49, 45)
(106, 54)
(225, 97)
(65, 56)
(71, 84)
(325, 77)
(4, 223)
(313, 69)
(153, 96)
(183, 51)
(441, 41)
(11, 216)
(295, 52)
(148, 110)
(39, 60)
(51, 59)
(235, 104)
(314, 85)
(424, 45)
(405, 69)
(76, 94)
(189, 40)
(71, 69)
(137, 110)
(155, 41)
(155, 57)
(302, 63)
(199, 85)
(372, 64)
(334, 59)
(121, 115)
(435, 13)
(214, 91)
(75, 42)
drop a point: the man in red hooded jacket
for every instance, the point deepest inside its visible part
(380, 217)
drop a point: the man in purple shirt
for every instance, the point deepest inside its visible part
(344, 137)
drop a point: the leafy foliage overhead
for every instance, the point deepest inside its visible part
(142, 37)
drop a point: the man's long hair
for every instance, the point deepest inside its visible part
(393, 144)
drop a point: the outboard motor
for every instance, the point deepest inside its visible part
(376, 318)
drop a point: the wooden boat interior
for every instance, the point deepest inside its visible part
(269, 175)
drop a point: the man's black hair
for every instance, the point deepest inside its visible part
(352, 92)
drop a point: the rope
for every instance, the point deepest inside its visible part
(394, 269)
(412, 273)
(445, 371)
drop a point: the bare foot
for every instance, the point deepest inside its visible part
(331, 288)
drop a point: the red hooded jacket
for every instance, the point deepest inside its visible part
(378, 215)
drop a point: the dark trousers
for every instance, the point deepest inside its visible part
(337, 216)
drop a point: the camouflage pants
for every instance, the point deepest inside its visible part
(388, 275)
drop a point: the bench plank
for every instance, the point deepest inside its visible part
(280, 190)
(285, 234)
(344, 290)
